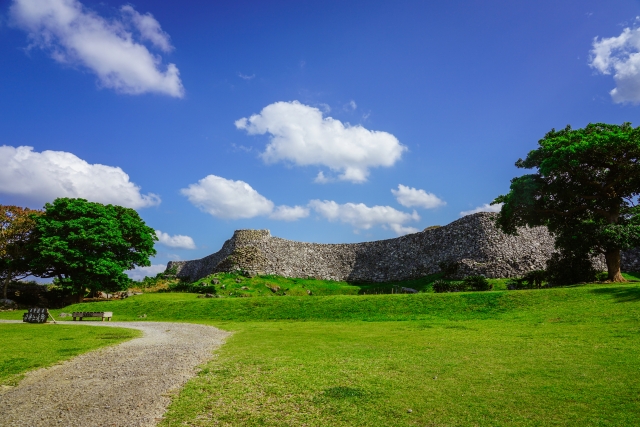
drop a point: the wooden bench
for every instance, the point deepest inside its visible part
(103, 314)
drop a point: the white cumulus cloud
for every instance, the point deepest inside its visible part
(325, 107)
(177, 241)
(227, 199)
(486, 207)
(289, 213)
(364, 217)
(620, 56)
(321, 178)
(149, 28)
(410, 197)
(401, 230)
(42, 177)
(300, 134)
(76, 35)
(139, 273)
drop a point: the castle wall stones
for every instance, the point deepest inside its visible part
(473, 241)
(631, 260)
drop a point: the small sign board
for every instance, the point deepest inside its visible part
(36, 315)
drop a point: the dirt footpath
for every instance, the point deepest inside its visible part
(124, 385)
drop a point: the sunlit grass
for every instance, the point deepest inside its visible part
(26, 346)
(551, 357)
(543, 370)
(544, 357)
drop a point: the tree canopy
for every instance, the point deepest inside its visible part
(585, 190)
(88, 245)
(16, 227)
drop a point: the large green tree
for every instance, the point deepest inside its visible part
(16, 231)
(585, 190)
(88, 245)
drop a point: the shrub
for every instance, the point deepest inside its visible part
(570, 268)
(532, 279)
(477, 283)
(448, 268)
(516, 283)
(196, 288)
(535, 278)
(440, 286)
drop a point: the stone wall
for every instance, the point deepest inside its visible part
(631, 260)
(473, 241)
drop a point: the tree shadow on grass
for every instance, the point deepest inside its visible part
(621, 293)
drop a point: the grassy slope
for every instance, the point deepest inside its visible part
(24, 347)
(187, 307)
(452, 373)
(564, 356)
(453, 306)
(569, 359)
(236, 285)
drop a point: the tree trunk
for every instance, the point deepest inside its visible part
(613, 265)
(6, 283)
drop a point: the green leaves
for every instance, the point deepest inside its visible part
(585, 188)
(16, 227)
(90, 245)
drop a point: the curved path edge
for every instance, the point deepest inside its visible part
(129, 384)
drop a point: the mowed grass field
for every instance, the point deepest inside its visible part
(549, 357)
(553, 357)
(24, 347)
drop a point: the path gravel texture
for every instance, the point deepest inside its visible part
(129, 384)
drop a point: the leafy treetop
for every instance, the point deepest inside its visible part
(89, 245)
(16, 226)
(585, 190)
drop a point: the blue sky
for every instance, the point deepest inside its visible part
(333, 121)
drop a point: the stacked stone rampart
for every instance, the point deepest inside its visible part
(473, 242)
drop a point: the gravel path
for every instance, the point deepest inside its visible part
(129, 384)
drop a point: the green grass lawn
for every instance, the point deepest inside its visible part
(569, 358)
(549, 357)
(465, 373)
(188, 307)
(424, 306)
(26, 346)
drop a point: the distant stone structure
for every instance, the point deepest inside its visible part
(473, 242)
